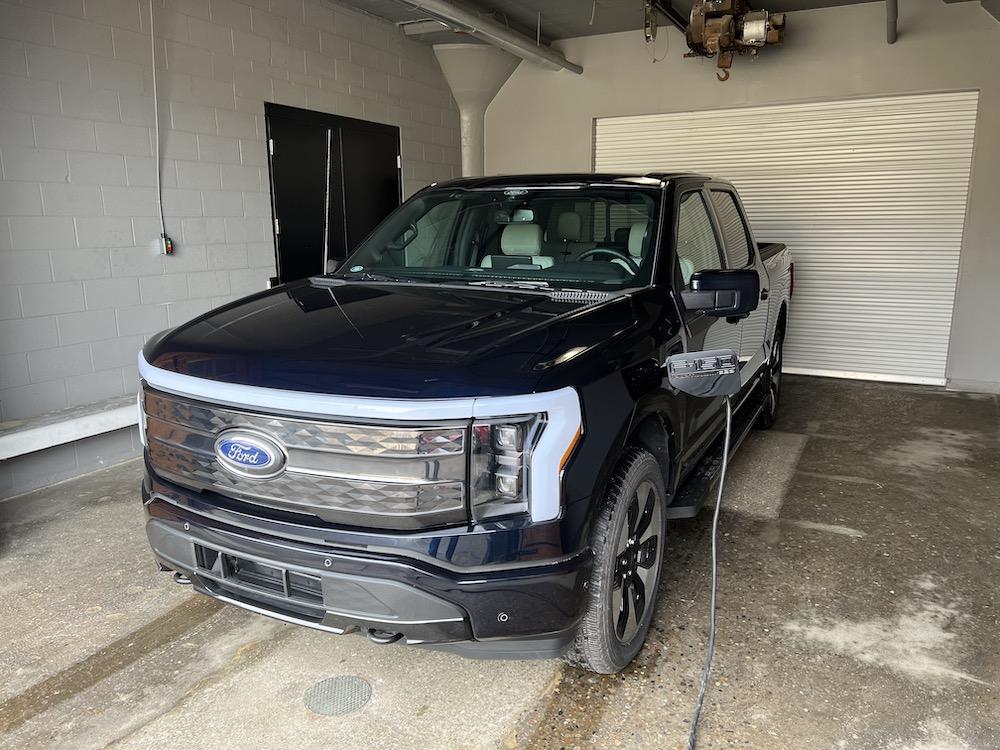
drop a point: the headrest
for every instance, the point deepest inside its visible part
(569, 226)
(637, 238)
(621, 236)
(521, 239)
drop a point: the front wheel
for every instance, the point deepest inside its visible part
(628, 559)
(770, 412)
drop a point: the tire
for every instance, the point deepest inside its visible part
(769, 415)
(628, 541)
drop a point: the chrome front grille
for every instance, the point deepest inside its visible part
(365, 474)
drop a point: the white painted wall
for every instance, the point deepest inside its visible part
(543, 121)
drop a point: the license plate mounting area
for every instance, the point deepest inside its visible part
(273, 579)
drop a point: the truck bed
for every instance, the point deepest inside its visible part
(769, 249)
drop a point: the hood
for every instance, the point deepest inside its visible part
(389, 340)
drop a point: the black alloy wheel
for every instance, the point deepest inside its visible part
(769, 414)
(628, 543)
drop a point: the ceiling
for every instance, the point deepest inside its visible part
(562, 19)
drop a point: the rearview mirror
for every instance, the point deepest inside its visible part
(405, 238)
(723, 294)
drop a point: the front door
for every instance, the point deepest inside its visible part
(699, 249)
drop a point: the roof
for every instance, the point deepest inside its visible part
(565, 178)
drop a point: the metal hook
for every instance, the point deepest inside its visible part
(722, 75)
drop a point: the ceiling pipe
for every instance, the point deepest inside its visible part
(498, 34)
(475, 73)
(674, 16)
(891, 15)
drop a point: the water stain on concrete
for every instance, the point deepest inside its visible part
(920, 642)
(933, 449)
(115, 656)
(267, 635)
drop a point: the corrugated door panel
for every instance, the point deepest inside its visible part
(870, 195)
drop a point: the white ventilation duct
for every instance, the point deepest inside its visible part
(475, 73)
(496, 33)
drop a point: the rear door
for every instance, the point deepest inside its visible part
(741, 253)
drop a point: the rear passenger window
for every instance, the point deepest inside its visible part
(733, 229)
(697, 248)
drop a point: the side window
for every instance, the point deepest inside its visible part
(428, 248)
(733, 229)
(697, 248)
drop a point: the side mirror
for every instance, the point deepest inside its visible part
(723, 294)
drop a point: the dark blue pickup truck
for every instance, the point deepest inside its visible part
(464, 437)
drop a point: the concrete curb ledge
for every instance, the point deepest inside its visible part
(21, 437)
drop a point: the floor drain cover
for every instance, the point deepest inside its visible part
(337, 696)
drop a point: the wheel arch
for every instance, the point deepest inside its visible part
(653, 428)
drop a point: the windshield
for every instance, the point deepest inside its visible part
(595, 237)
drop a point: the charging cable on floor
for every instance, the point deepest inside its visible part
(708, 374)
(693, 733)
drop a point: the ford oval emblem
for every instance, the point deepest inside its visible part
(249, 454)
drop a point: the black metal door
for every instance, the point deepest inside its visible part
(333, 179)
(371, 182)
(300, 194)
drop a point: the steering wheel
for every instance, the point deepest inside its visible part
(632, 266)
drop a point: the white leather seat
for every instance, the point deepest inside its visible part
(521, 244)
(636, 244)
(637, 239)
(567, 245)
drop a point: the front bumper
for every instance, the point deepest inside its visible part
(521, 611)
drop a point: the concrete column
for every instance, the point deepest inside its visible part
(475, 73)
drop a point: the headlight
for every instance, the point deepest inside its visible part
(520, 447)
(499, 465)
(142, 418)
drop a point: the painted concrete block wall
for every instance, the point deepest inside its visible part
(543, 121)
(81, 283)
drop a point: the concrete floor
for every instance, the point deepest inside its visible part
(859, 608)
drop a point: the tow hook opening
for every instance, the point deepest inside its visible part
(383, 637)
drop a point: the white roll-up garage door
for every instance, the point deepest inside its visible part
(870, 195)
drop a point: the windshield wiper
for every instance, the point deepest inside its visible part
(373, 276)
(539, 285)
